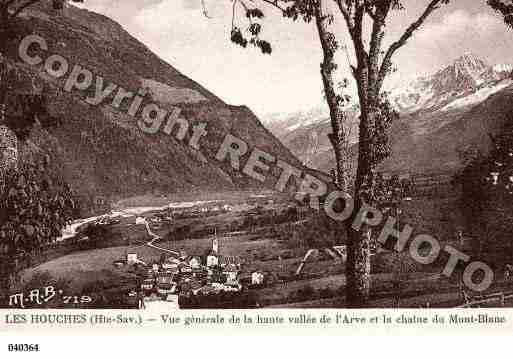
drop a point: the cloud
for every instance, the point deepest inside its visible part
(199, 47)
(192, 4)
(439, 43)
(460, 24)
(186, 14)
(119, 10)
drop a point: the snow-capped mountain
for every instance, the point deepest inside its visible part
(469, 80)
(287, 122)
(441, 114)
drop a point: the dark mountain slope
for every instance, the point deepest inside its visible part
(100, 149)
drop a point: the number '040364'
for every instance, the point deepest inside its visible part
(23, 347)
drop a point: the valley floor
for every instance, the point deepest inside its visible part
(265, 246)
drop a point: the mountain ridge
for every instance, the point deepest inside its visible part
(99, 149)
(465, 75)
(428, 106)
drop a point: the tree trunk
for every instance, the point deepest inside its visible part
(335, 102)
(358, 242)
(358, 266)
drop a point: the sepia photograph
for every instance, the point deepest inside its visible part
(158, 156)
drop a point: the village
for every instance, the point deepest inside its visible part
(170, 277)
(174, 277)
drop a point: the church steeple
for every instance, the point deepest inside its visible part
(215, 243)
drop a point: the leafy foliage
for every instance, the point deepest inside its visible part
(487, 190)
(505, 8)
(238, 38)
(254, 29)
(254, 13)
(27, 110)
(34, 207)
(22, 109)
(385, 116)
(494, 173)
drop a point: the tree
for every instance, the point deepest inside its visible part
(505, 8)
(35, 204)
(34, 207)
(22, 105)
(487, 192)
(373, 65)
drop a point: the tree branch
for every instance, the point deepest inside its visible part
(368, 9)
(274, 4)
(506, 10)
(379, 15)
(346, 13)
(387, 61)
(205, 12)
(233, 12)
(361, 54)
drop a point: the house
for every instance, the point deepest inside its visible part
(206, 290)
(131, 258)
(232, 279)
(235, 287)
(212, 261)
(199, 273)
(172, 270)
(169, 266)
(225, 261)
(257, 278)
(231, 271)
(195, 262)
(172, 260)
(166, 284)
(185, 268)
(341, 250)
(232, 267)
(164, 278)
(140, 220)
(190, 285)
(148, 285)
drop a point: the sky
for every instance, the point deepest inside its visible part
(288, 80)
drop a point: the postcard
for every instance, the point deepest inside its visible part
(254, 165)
